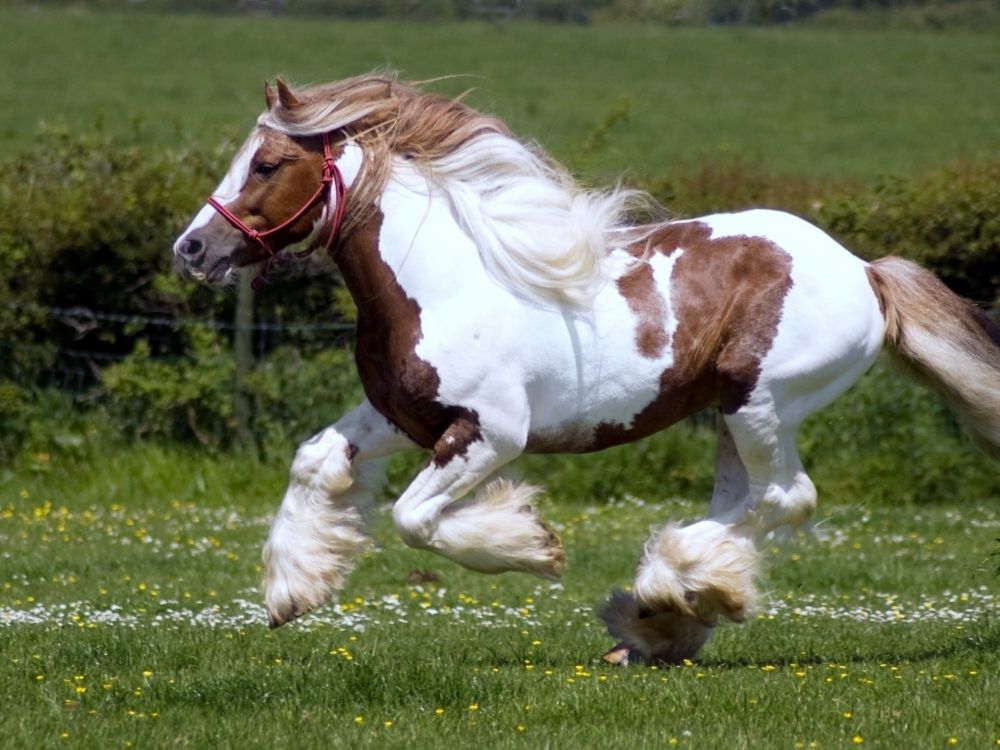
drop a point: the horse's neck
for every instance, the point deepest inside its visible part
(411, 246)
(365, 273)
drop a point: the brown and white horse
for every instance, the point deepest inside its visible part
(503, 310)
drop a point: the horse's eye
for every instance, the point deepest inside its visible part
(264, 169)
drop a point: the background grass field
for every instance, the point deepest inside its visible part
(129, 618)
(815, 102)
(129, 615)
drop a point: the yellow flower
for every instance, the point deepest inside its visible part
(473, 706)
(359, 719)
(439, 711)
(857, 739)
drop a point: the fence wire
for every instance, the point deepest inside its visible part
(77, 368)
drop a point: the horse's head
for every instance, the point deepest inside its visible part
(281, 190)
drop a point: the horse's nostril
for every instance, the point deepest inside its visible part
(191, 247)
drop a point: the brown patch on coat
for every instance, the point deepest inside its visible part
(727, 295)
(638, 287)
(399, 384)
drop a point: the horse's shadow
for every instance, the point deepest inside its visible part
(972, 645)
(988, 642)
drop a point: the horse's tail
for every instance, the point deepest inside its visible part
(945, 342)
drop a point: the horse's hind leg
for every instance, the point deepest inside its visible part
(318, 531)
(781, 493)
(659, 622)
(732, 483)
(708, 569)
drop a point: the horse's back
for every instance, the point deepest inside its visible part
(791, 308)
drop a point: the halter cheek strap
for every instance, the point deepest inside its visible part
(331, 176)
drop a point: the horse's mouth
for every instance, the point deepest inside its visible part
(217, 273)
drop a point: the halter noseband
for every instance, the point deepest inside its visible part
(331, 175)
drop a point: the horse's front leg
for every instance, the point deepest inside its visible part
(318, 531)
(658, 620)
(497, 528)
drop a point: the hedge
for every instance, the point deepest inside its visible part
(86, 225)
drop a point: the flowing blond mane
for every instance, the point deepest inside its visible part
(537, 231)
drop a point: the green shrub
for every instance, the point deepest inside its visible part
(38, 421)
(296, 394)
(15, 418)
(734, 184)
(85, 223)
(189, 398)
(890, 440)
(86, 227)
(948, 220)
(672, 463)
(178, 398)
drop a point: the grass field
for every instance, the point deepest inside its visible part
(129, 618)
(828, 103)
(129, 612)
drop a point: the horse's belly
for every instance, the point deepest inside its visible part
(609, 400)
(617, 420)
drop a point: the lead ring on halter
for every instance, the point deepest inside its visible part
(330, 175)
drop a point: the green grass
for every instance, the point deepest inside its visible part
(128, 608)
(139, 568)
(829, 103)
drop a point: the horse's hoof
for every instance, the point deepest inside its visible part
(618, 654)
(648, 636)
(278, 617)
(274, 621)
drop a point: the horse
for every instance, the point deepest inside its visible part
(503, 309)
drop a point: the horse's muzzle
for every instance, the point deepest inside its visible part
(191, 252)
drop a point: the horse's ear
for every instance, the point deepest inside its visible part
(269, 96)
(285, 95)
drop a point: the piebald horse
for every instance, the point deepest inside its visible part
(502, 309)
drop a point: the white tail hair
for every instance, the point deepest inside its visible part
(945, 342)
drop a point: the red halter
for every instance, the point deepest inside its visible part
(330, 175)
